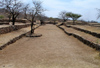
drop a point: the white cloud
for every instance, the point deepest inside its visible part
(87, 8)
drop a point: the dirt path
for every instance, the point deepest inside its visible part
(53, 50)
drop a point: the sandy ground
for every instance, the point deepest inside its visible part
(53, 50)
(90, 28)
(83, 34)
(1, 26)
(4, 38)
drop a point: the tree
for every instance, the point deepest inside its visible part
(98, 13)
(9, 16)
(33, 12)
(63, 16)
(50, 19)
(73, 16)
(53, 20)
(25, 9)
(42, 18)
(12, 7)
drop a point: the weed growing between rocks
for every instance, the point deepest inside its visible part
(97, 41)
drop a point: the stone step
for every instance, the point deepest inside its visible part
(9, 38)
(95, 31)
(84, 37)
(7, 29)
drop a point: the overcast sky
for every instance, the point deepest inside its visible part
(87, 8)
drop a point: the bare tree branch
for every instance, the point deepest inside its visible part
(25, 9)
(98, 13)
(12, 7)
(63, 16)
(34, 11)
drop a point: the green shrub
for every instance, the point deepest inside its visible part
(1, 17)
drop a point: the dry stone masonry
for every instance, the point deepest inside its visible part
(85, 41)
(12, 28)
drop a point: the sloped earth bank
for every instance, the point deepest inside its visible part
(82, 34)
(54, 49)
(89, 28)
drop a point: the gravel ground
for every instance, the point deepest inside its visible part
(53, 50)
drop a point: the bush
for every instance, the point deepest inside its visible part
(1, 17)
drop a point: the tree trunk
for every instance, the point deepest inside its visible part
(13, 20)
(25, 16)
(32, 23)
(42, 22)
(73, 22)
(9, 19)
(32, 30)
(64, 22)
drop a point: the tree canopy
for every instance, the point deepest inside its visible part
(73, 16)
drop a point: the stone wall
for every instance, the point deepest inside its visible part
(86, 31)
(17, 20)
(85, 41)
(12, 28)
(15, 39)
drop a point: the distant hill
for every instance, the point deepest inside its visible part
(2, 12)
(21, 16)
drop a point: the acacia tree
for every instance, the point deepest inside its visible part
(12, 7)
(63, 16)
(33, 12)
(73, 16)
